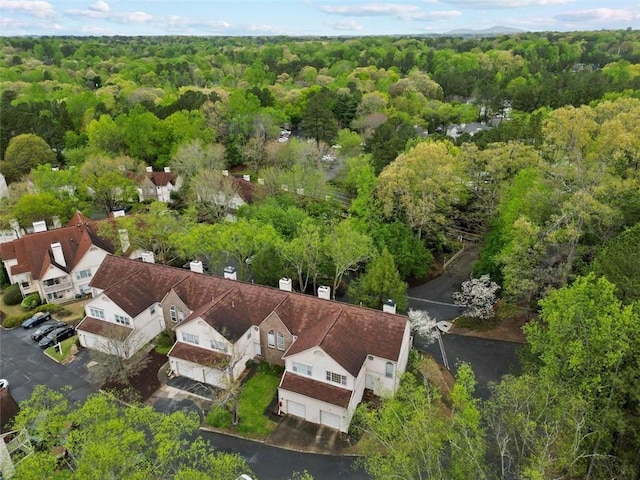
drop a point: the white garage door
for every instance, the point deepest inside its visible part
(330, 419)
(297, 409)
(212, 377)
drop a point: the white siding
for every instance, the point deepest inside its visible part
(321, 362)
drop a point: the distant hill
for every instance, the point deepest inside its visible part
(497, 30)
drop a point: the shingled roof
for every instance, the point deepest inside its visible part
(345, 332)
(33, 251)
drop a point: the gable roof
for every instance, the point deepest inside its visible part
(162, 179)
(345, 332)
(315, 389)
(246, 190)
(33, 251)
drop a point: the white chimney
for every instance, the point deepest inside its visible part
(148, 257)
(261, 181)
(246, 178)
(284, 187)
(324, 292)
(230, 273)
(285, 284)
(58, 256)
(300, 191)
(225, 173)
(149, 169)
(124, 239)
(167, 169)
(196, 266)
(55, 168)
(389, 306)
(118, 213)
(56, 221)
(40, 226)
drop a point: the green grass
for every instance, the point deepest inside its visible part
(256, 396)
(66, 350)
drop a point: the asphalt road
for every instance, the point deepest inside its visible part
(25, 365)
(271, 463)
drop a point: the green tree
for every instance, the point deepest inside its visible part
(304, 254)
(24, 152)
(106, 439)
(41, 206)
(618, 262)
(379, 283)
(108, 180)
(388, 141)
(585, 343)
(318, 119)
(346, 249)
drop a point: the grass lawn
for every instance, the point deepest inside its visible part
(256, 396)
(66, 350)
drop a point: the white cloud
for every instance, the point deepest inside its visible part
(373, 9)
(345, 26)
(100, 6)
(505, 3)
(598, 14)
(176, 23)
(37, 8)
(444, 14)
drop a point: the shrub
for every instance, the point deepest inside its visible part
(219, 417)
(12, 295)
(15, 320)
(165, 341)
(31, 301)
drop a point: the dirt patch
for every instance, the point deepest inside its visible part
(145, 383)
(509, 329)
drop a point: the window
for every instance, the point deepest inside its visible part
(52, 281)
(190, 338)
(336, 378)
(271, 339)
(54, 296)
(122, 319)
(96, 313)
(217, 345)
(388, 371)
(302, 368)
(176, 314)
(82, 274)
(280, 341)
(25, 284)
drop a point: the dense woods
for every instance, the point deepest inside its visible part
(362, 182)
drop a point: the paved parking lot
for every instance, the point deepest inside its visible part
(25, 365)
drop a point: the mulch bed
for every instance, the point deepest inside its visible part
(146, 382)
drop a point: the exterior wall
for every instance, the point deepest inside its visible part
(274, 354)
(320, 363)
(146, 326)
(90, 261)
(170, 299)
(61, 291)
(313, 408)
(241, 351)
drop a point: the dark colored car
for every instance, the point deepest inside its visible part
(37, 319)
(56, 336)
(45, 329)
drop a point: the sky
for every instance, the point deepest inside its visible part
(308, 17)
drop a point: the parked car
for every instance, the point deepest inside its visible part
(37, 319)
(45, 329)
(56, 336)
(4, 383)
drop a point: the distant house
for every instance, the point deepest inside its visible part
(158, 185)
(332, 352)
(456, 131)
(58, 263)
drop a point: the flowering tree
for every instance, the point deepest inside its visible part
(477, 296)
(423, 325)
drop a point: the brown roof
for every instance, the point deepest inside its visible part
(198, 355)
(245, 189)
(345, 332)
(33, 251)
(111, 330)
(163, 178)
(314, 389)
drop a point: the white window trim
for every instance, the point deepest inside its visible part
(271, 339)
(191, 338)
(302, 368)
(388, 370)
(336, 378)
(97, 313)
(280, 341)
